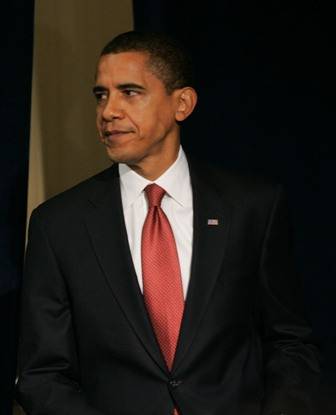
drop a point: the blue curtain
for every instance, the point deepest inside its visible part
(266, 80)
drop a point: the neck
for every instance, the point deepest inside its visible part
(151, 169)
(161, 157)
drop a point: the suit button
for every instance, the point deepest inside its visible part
(174, 383)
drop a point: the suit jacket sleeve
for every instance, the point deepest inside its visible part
(48, 367)
(290, 359)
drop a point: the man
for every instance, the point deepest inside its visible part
(160, 285)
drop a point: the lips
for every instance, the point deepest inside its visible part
(112, 133)
(115, 137)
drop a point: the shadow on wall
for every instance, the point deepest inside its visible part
(64, 136)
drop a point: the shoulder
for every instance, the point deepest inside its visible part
(237, 187)
(73, 202)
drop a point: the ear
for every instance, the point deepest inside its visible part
(186, 99)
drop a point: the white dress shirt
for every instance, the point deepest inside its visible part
(176, 203)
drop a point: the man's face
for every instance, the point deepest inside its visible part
(135, 115)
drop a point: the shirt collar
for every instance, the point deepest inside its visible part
(175, 180)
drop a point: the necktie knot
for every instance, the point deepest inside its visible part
(154, 194)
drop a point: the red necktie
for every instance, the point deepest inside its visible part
(162, 284)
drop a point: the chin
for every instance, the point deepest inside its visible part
(123, 156)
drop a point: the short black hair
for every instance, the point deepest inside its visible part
(168, 59)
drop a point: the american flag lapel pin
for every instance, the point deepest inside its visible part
(213, 222)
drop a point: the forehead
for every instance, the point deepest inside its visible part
(125, 67)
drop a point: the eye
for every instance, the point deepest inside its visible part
(100, 96)
(130, 92)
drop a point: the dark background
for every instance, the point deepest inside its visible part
(266, 81)
(265, 76)
(16, 34)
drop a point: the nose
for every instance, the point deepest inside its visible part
(112, 109)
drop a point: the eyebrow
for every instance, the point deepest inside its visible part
(99, 89)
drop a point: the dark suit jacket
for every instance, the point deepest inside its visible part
(87, 346)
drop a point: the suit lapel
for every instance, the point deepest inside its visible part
(105, 223)
(107, 230)
(209, 242)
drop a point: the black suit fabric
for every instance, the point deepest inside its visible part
(87, 346)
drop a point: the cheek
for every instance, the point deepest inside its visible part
(99, 124)
(151, 118)
(99, 118)
(160, 119)
(166, 119)
(149, 127)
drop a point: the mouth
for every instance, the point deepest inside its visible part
(108, 133)
(112, 135)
